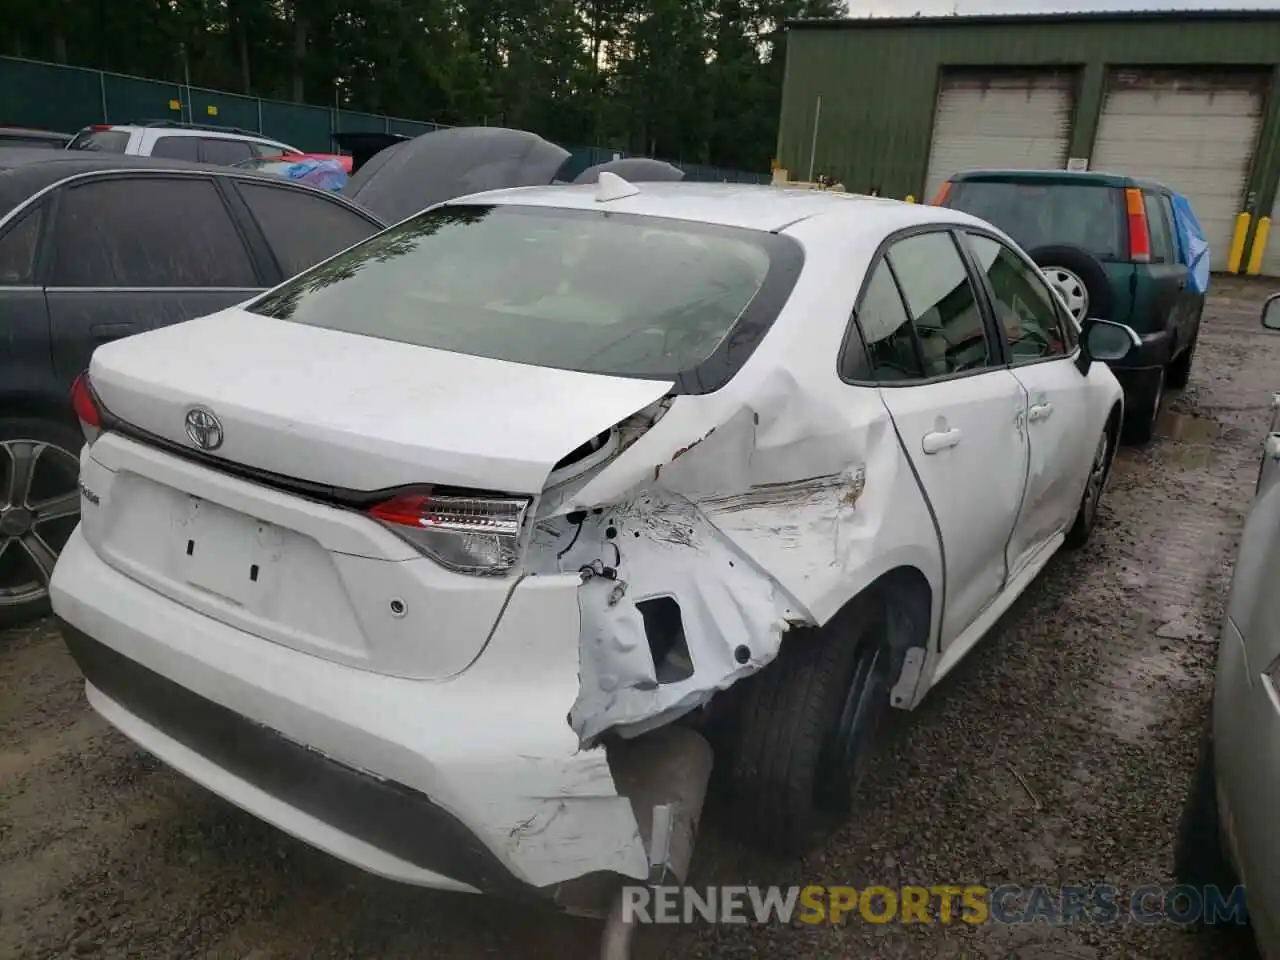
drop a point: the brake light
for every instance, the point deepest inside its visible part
(942, 193)
(99, 126)
(85, 404)
(466, 534)
(1139, 237)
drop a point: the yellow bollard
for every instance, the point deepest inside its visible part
(1259, 246)
(910, 198)
(1237, 242)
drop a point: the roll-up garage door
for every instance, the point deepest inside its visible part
(1193, 133)
(1002, 121)
(1271, 253)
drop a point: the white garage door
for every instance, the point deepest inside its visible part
(1018, 122)
(1193, 134)
(1271, 254)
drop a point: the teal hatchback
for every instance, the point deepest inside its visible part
(1110, 245)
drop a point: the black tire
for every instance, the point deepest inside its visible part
(808, 723)
(1179, 371)
(29, 542)
(1142, 402)
(1198, 855)
(1099, 469)
(1085, 266)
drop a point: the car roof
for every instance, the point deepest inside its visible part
(25, 171)
(187, 130)
(30, 133)
(749, 206)
(1099, 177)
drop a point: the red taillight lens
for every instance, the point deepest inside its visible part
(1139, 237)
(82, 401)
(942, 193)
(467, 534)
(99, 126)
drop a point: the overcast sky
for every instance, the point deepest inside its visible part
(905, 8)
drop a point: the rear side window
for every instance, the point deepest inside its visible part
(138, 232)
(224, 152)
(266, 149)
(1043, 213)
(19, 245)
(177, 148)
(1162, 245)
(102, 141)
(605, 293)
(886, 329)
(301, 228)
(944, 308)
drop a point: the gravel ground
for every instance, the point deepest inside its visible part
(1057, 753)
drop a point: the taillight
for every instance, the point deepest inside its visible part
(478, 535)
(942, 193)
(99, 126)
(1139, 237)
(85, 405)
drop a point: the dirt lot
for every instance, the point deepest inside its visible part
(1057, 753)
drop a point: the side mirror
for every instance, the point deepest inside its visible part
(1271, 312)
(1109, 341)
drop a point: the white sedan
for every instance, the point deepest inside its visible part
(445, 555)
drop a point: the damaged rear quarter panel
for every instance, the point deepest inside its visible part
(770, 502)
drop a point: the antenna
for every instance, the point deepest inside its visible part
(610, 186)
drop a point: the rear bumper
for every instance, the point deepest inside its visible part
(476, 783)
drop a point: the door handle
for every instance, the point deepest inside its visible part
(103, 332)
(940, 440)
(1040, 411)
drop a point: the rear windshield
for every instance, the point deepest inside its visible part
(102, 141)
(578, 290)
(1040, 214)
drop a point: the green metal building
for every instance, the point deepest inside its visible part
(1189, 98)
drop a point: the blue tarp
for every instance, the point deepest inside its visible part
(325, 174)
(1192, 244)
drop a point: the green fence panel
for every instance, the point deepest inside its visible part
(413, 128)
(298, 125)
(229, 109)
(48, 96)
(130, 99)
(353, 121)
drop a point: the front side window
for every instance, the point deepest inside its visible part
(1023, 302)
(1037, 213)
(598, 292)
(148, 232)
(944, 308)
(224, 152)
(176, 148)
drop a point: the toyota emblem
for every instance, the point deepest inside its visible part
(204, 429)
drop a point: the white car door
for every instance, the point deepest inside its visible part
(958, 411)
(1043, 359)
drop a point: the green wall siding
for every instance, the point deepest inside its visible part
(879, 84)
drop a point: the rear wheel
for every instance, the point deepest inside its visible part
(39, 509)
(808, 724)
(1179, 374)
(1142, 402)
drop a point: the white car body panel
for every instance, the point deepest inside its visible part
(765, 505)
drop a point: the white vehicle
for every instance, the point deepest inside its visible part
(224, 146)
(441, 554)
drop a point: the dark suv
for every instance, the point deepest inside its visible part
(1111, 247)
(97, 246)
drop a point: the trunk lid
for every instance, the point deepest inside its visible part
(359, 413)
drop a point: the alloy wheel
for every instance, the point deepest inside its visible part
(1097, 477)
(39, 509)
(1072, 290)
